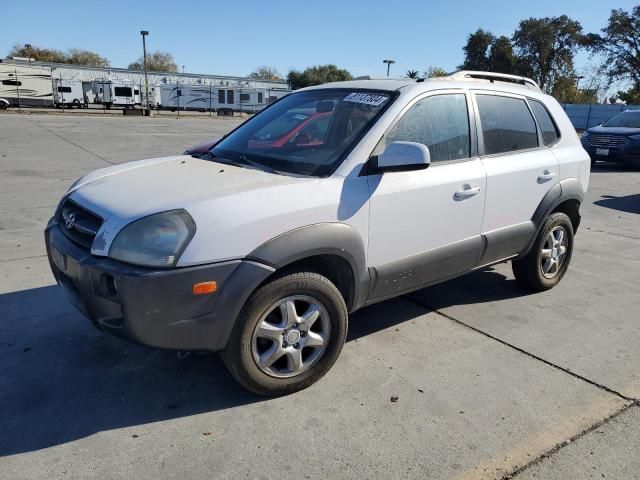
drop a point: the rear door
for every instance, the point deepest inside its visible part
(520, 171)
(425, 224)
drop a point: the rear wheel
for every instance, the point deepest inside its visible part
(288, 335)
(547, 261)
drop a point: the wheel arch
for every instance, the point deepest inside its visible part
(334, 250)
(565, 196)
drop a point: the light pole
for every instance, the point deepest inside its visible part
(388, 62)
(27, 47)
(578, 78)
(144, 33)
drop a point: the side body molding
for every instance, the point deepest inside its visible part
(567, 189)
(331, 238)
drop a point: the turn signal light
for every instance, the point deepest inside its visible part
(204, 288)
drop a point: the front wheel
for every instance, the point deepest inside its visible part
(288, 335)
(547, 261)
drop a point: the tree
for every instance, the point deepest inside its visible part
(85, 57)
(546, 47)
(630, 97)
(433, 72)
(316, 75)
(565, 90)
(501, 58)
(38, 54)
(74, 56)
(265, 72)
(620, 45)
(412, 74)
(156, 62)
(476, 50)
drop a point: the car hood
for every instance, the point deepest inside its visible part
(625, 131)
(231, 206)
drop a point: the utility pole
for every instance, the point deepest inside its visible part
(144, 33)
(388, 62)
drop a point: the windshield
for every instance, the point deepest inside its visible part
(625, 119)
(306, 133)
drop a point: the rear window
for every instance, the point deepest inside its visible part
(545, 122)
(507, 124)
(64, 89)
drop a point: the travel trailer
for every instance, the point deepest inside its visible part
(24, 85)
(118, 93)
(224, 100)
(69, 93)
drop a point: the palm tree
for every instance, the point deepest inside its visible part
(412, 74)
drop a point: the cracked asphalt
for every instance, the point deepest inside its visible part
(492, 381)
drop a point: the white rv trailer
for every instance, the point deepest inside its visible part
(110, 92)
(224, 100)
(24, 85)
(68, 93)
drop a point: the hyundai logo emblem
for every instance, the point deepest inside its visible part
(70, 221)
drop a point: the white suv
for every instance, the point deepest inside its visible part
(332, 198)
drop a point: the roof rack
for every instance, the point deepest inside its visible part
(494, 77)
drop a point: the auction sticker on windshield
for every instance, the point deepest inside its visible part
(366, 98)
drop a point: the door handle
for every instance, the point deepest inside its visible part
(466, 193)
(546, 176)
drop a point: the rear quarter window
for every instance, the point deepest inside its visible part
(507, 124)
(550, 131)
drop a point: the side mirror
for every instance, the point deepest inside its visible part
(402, 156)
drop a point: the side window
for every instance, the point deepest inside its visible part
(507, 124)
(440, 122)
(220, 96)
(546, 123)
(230, 96)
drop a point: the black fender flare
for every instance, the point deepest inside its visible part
(331, 238)
(567, 189)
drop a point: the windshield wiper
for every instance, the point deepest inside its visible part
(258, 165)
(244, 161)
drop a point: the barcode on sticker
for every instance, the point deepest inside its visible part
(366, 98)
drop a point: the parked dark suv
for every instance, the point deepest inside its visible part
(617, 140)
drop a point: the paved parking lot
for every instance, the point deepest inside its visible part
(492, 380)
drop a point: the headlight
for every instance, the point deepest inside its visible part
(154, 241)
(635, 137)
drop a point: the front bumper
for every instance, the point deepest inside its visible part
(153, 307)
(628, 153)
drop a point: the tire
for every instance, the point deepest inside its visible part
(536, 270)
(76, 103)
(270, 307)
(593, 162)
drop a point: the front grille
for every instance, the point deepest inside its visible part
(607, 140)
(78, 224)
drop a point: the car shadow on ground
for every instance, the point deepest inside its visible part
(606, 167)
(627, 203)
(63, 380)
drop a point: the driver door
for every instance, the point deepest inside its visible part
(425, 225)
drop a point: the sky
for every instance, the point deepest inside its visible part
(233, 38)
